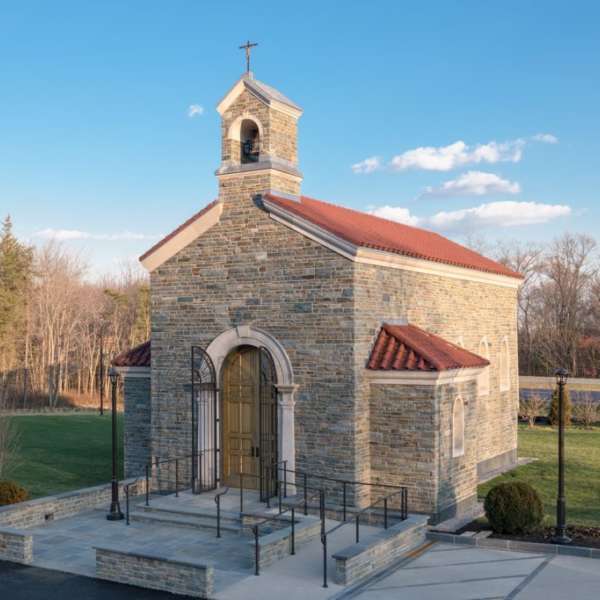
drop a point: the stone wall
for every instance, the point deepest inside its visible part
(137, 424)
(358, 561)
(411, 445)
(250, 270)
(36, 512)
(404, 442)
(457, 310)
(278, 136)
(186, 577)
(16, 546)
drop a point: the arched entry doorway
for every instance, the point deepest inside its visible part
(249, 409)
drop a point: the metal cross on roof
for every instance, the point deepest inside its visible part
(247, 47)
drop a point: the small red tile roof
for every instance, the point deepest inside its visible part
(409, 348)
(177, 230)
(135, 357)
(369, 231)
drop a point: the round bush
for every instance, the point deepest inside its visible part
(513, 507)
(11, 493)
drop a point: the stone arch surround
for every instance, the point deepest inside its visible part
(246, 335)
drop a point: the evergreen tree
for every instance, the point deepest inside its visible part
(567, 408)
(16, 261)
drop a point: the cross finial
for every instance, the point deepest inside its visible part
(247, 47)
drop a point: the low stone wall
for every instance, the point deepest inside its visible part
(275, 546)
(35, 512)
(15, 545)
(185, 577)
(357, 561)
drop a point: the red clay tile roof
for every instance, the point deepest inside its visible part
(176, 231)
(369, 231)
(409, 348)
(135, 357)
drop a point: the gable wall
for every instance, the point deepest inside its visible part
(453, 309)
(250, 270)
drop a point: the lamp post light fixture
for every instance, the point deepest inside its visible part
(115, 513)
(560, 535)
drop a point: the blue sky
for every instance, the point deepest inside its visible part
(444, 100)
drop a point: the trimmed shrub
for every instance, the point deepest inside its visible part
(513, 507)
(567, 408)
(11, 493)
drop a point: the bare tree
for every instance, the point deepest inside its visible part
(532, 407)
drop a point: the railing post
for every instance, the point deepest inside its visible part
(324, 542)
(385, 513)
(218, 515)
(305, 494)
(256, 551)
(268, 485)
(285, 478)
(293, 538)
(127, 505)
(322, 509)
(147, 485)
(357, 528)
(279, 495)
(241, 493)
(176, 478)
(344, 499)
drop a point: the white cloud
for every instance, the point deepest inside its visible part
(368, 165)
(195, 110)
(473, 183)
(396, 213)
(458, 154)
(546, 138)
(65, 235)
(506, 213)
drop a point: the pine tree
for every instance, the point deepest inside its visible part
(567, 408)
(16, 261)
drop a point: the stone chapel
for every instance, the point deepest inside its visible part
(286, 328)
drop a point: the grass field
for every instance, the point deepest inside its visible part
(582, 482)
(63, 452)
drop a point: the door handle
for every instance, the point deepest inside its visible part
(255, 451)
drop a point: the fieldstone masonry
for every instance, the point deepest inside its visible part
(325, 310)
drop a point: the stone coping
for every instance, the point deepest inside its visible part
(356, 549)
(514, 545)
(185, 562)
(14, 531)
(68, 494)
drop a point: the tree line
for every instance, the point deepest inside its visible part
(59, 329)
(559, 303)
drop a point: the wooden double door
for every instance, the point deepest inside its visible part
(249, 423)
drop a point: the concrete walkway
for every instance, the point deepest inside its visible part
(446, 572)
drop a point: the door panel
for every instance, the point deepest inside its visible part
(240, 416)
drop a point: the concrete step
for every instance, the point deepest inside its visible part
(226, 516)
(175, 520)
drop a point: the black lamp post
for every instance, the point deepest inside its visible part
(101, 372)
(560, 535)
(115, 513)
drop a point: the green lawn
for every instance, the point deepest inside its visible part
(63, 452)
(582, 482)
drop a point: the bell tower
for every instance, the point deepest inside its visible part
(259, 132)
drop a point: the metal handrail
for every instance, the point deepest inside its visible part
(153, 464)
(292, 509)
(126, 490)
(218, 503)
(345, 483)
(403, 515)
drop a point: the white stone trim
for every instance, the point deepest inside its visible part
(134, 372)
(246, 335)
(458, 429)
(236, 126)
(504, 366)
(240, 86)
(183, 237)
(431, 378)
(380, 257)
(483, 381)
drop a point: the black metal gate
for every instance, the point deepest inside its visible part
(205, 423)
(268, 456)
